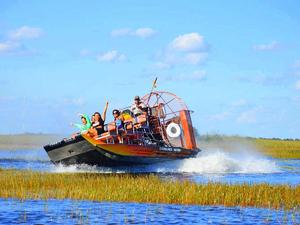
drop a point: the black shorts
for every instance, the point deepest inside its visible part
(99, 130)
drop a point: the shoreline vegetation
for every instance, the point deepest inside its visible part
(143, 188)
(277, 148)
(27, 141)
(273, 147)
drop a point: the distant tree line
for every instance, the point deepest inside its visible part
(220, 137)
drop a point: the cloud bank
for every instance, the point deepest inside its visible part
(14, 43)
(274, 45)
(143, 32)
(186, 49)
(111, 56)
(25, 32)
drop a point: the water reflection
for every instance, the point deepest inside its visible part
(85, 212)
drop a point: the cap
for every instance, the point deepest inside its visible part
(137, 97)
(115, 111)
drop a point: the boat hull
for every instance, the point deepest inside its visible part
(82, 151)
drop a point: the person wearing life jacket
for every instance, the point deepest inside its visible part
(97, 126)
(86, 124)
(119, 122)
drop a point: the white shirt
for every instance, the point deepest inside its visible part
(136, 109)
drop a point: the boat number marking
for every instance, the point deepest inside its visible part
(169, 149)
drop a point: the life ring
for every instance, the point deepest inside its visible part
(173, 130)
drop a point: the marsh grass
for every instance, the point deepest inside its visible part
(286, 149)
(147, 189)
(277, 148)
(27, 141)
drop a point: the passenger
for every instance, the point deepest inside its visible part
(86, 124)
(138, 107)
(98, 123)
(119, 121)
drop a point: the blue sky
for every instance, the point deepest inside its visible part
(236, 64)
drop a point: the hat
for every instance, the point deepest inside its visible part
(115, 111)
(137, 97)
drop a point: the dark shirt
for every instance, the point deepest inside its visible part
(99, 126)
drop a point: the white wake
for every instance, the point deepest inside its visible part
(208, 162)
(218, 161)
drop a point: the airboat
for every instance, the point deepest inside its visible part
(163, 132)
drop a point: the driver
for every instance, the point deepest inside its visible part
(138, 107)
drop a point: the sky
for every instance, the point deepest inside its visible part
(236, 64)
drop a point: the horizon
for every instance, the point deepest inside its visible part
(196, 135)
(236, 64)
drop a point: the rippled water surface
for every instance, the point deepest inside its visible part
(217, 166)
(85, 212)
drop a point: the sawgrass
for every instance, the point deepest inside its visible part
(146, 188)
(277, 148)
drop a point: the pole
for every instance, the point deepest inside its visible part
(153, 86)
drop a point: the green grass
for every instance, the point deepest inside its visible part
(147, 188)
(277, 148)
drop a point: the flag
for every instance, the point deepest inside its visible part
(154, 83)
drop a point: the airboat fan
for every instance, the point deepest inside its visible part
(174, 117)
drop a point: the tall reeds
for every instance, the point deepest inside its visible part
(146, 188)
(277, 148)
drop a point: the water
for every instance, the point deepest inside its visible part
(210, 166)
(86, 212)
(215, 166)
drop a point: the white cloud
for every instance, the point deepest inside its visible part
(263, 79)
(121, 32)
(13, 45)
(297, 73)
(267, 47)
(249, 116)
(143, 32)
(234, 109)
(239, 103)
(161, 65)
(15, 48)
(80, 101)
(220, 116)
(25, 32)
(198, 75)
(298, 85)
(85, 52)
(194, 58)
(8, 47)
(186, 49)
(111, 56)
(297, 64)
(296, 68)
(295, 99)
(188, 42)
